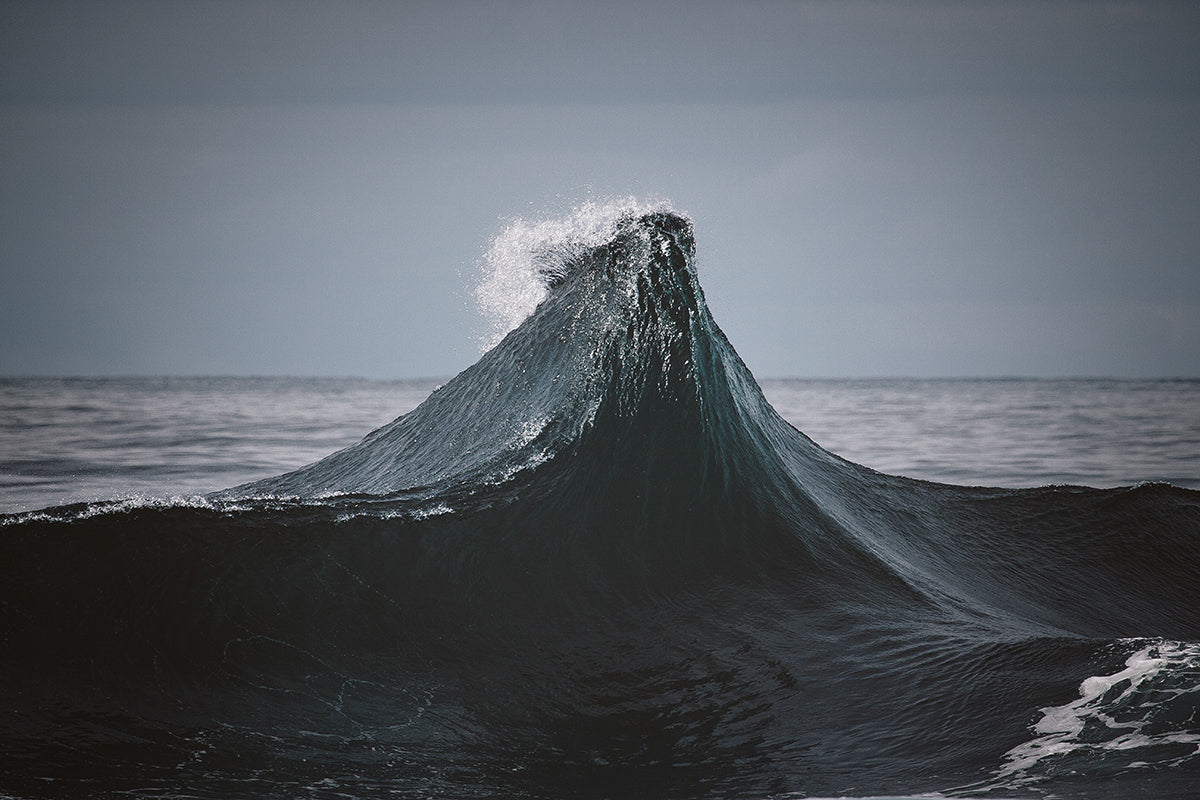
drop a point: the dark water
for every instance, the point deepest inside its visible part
(599, 564)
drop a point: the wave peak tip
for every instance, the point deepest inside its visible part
(528, 256)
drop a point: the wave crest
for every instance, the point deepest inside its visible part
(528, 256)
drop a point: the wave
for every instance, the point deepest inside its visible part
(598, 563)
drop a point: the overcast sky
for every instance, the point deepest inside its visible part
(902, 189)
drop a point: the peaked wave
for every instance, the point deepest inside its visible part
(618, 405)
(598, 562)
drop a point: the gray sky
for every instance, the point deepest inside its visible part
(926, 188)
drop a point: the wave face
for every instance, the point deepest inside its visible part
(598, 564)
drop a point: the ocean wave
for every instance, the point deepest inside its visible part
(598, 563)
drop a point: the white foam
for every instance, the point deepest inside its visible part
(406, 514)
(530, 430)
(521, 257)
(1124, 705)
(77, 512)
(535, 460)
(98, 507)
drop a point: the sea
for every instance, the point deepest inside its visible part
(72, 440)
(604, 561)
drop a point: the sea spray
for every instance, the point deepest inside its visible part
(530, 254)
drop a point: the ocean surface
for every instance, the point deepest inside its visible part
(70, 440)
(602, 562)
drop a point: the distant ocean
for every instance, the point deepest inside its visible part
(68, 440)
(601, 562)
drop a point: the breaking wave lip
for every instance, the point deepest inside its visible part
(528, 255)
